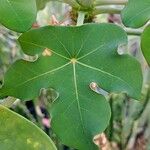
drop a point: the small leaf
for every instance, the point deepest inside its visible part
(41, 3)
(18, 133)
(85, 3)
(136, 13)
(79, 56)
(145, 44)
(18, 15)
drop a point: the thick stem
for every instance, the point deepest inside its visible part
(106, 9)
(111, 126)
(110, 2)
(81, 17)
(135, 32)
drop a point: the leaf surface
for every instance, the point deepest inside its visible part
(18, 133)
(18, 15)
(79, 55)
(145, 40)
(136, 13)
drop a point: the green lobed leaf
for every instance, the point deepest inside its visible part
(145, 40)
(18, 15)
(18, 133)
(80, 55)
(136, 13)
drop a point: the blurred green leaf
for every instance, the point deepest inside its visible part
(136, 13)
(18, 133)
(18, 15)
(145, 44)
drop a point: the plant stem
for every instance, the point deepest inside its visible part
(111, 125)
(138, 116)
(81, 17)
(110, 2)
(135, 32)
(106, 9)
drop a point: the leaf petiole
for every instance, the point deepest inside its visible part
(110, 2)
(135, 32)
(107, 9)
(81, 17)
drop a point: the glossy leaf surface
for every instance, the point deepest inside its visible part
(18, 133)
(18, 15)
(145, 44)
(136, 13)
(78, 56)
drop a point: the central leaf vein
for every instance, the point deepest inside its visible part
(77, 96)
(78, 103)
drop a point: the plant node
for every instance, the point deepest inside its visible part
(73, 60)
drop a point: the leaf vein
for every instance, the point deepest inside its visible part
(83, 43)
(134, 17)
(34, 44)
(77, 99)
(48, 72)
(104, 72)
(62, 44)
(101, 46)
(17, 15)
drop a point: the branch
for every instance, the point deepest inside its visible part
(106, 9)
(110, 2)
(81, 17)
(135, 32)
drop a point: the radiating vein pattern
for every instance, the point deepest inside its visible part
(80, 55)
